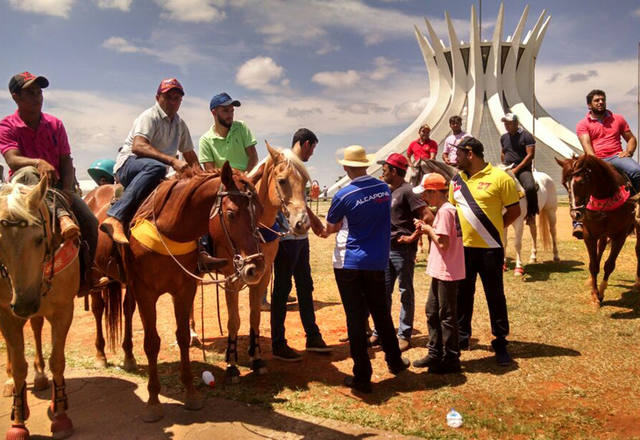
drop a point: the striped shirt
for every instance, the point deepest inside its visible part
(479, 200)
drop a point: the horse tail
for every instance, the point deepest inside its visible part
(113, 314)
(544, 230)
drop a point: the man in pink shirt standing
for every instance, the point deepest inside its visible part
(599, 133)
(35, 144)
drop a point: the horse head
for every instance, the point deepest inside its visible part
(509, 170)
(235, 227)
(287, 181)
(25, 245)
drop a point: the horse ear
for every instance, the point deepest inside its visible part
(226, 175)
(38, 192)
(560, 161)
(275, 154)
(257, 174)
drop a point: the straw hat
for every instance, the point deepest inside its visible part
(356, 156)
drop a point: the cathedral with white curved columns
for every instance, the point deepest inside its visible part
(480, 81)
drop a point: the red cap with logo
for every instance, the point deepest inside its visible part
(397, 160)
(168, 84)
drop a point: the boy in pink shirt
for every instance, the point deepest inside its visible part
(446, 266)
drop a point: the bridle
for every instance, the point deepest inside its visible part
(49, 256)
(239, 262)
(585, 173)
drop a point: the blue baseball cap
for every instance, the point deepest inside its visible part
(222, 99)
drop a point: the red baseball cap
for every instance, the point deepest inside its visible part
(397, 160)
(168, 84)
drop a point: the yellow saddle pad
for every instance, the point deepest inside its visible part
(148, 235)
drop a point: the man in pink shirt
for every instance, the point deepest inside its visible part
(422, 148)
(446, 266)
(599, 133)
(35, 144)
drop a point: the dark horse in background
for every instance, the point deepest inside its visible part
(599, 198)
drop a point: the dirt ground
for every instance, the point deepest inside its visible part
(575, 375)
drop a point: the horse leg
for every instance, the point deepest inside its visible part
(182, 305)
(129, 307)
(258, 364)
(610, 265)
(533, 258)
(593, 246)
(505, 268)
(97, 308)
(40, 381)
(552, 219)
(233, 324)
(7, 390)
(518, 227)
(61, 426)
(12, 330)
(194, 341)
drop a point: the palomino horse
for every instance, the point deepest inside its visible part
(547, 206)
(35, 285)
(600, 200)
(281, 186)
(225, 205)
(110, 296)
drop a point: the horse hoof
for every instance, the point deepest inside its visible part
(129, 364)
(518, 272)
(7, 390)
(100, 363)
(40, 382)
(232, 375)
(556, 259)
(193, 401)
(17, 432)
(153, 413)
(259, 366)
(61, 427)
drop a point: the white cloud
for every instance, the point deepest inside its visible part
(260, 73)
(123, 5)
(336, 79)
(181, 55)
(196, 11)
(59, 8)
(637, 12)
(384, 68)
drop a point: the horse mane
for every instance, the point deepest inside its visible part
(293, 160)
(605, 175)
(13, 203)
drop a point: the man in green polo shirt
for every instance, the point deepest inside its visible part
(227, 139)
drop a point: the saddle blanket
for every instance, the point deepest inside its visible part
(610, 204)
(148, 235)
(63, 257)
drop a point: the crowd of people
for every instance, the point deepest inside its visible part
(377, 222)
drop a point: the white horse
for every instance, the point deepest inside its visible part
(547, 207)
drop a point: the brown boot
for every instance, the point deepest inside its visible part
(68, 229)
(113, 228)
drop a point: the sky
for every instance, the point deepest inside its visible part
(350, 70)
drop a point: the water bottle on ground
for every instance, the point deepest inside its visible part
(454, 419)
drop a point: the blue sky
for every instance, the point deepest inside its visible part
(350, 70)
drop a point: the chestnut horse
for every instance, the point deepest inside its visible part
(591, 182)
(31, 288)
(281, 187)
(226, 206)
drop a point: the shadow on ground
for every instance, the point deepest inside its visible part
(541, 271)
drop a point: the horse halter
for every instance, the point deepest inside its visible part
(585, 174)
(239, 262)
(49, 255)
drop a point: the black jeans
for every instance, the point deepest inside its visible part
(486, 262)
(529, 184)
(363, 290)
(292, 260)
(442, 320)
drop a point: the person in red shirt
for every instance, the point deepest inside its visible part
(599, 134)
(422, 148)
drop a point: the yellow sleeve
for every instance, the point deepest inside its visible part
(451, 199)
(509, 191)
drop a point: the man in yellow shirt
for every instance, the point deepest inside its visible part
(480, 193)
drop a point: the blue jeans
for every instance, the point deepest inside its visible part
(629, 167)
(402, 260)
(292, 260)
(139, 176)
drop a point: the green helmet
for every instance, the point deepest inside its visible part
(102, 169)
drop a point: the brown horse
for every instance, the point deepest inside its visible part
(33, 287)
(597, 199)
(281, 187)
(108, 259)
(226, 206)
